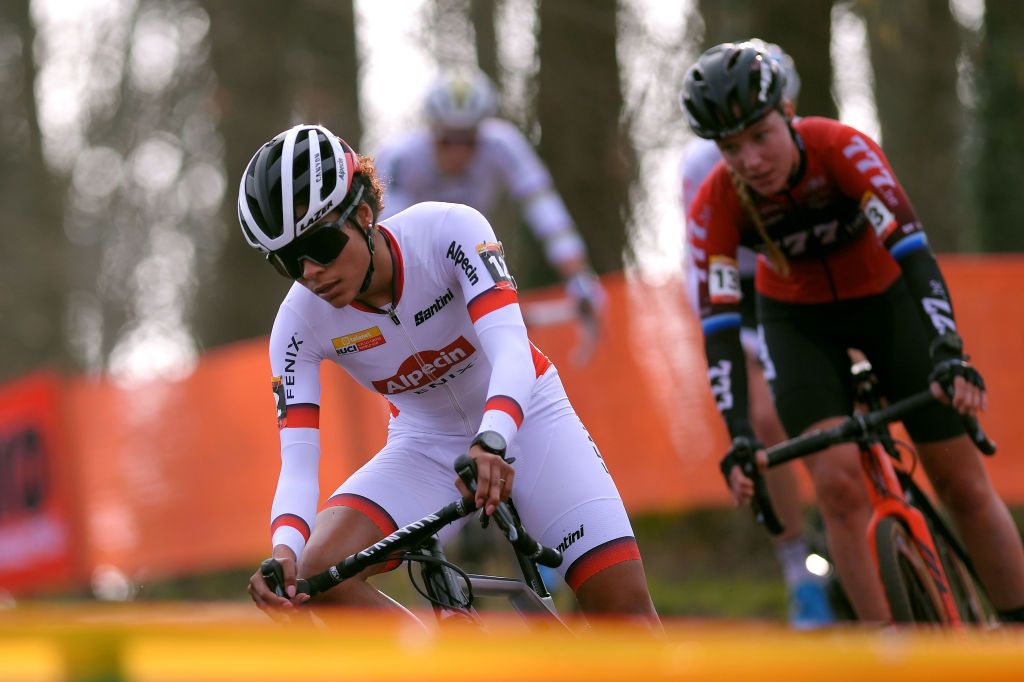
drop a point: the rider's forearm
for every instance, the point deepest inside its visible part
(928, 287)
(294, 508)
(727, 374)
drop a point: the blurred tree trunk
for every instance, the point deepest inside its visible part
(324, 72)
(482, 14)
(1000, 172)
(802, 28)
(34, 257)
(263, 80)
(579, 107)
(914, 48)
(726, 21)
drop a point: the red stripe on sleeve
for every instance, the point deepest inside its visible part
(507, 405)
(599, 558)
(491, 300)
(296, 522)
(373, 511)
(540, 361)
(302, 416)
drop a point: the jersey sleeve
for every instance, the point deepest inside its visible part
(863, 172)
(295, 367)
(712, 244)
(530, 183)
(474, 260)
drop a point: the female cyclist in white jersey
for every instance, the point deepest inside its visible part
(422, 310)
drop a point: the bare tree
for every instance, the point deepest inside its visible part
(34, 256)
(580, 109)
(803, 28)
(482, 14)
(914, 49)
(1000, 170)
(268, 71)
(800, 27)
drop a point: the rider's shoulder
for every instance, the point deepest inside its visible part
(432, 217)
(819, 133)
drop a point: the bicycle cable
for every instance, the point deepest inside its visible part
(904, 446)
(422, 558)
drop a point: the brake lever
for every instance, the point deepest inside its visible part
(761, 503)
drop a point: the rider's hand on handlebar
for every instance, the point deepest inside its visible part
(737, 465)
(968, 398)
(954, 381)
(265, 599)
(494, 477)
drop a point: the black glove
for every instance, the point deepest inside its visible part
(742, 455)
(947, 351)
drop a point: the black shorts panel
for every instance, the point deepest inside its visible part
(810, 372)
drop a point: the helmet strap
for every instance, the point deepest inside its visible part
(369, 247)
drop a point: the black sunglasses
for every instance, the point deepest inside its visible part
(322, 246)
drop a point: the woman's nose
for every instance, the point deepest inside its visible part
(310, 269)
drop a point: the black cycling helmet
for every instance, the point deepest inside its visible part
(731, 86)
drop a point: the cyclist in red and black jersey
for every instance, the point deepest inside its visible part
(843, 263)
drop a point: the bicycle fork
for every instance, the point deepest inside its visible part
(887, 500)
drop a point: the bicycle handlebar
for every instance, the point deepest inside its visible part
(507, 522)
(412, 535)
(856, 426)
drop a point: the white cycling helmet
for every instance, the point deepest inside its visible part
(460, 99)
(779, 56)
(279, 178)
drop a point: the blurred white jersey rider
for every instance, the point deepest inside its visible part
(808, 602)
(465, 155)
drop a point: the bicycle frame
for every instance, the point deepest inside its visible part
(888, 499)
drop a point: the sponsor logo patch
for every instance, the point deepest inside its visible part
(493, 256)
(279, 401)
(461, 260)
(362, 340)
(427, 368)
(435, 307)
(723, 280)
(878, 214)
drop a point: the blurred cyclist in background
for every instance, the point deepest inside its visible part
(808, 601)
(465, 155)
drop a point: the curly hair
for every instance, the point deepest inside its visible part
(373, 192)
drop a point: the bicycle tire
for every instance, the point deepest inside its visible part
(970, 597)
(909, 588)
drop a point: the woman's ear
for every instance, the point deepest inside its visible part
(365, 216)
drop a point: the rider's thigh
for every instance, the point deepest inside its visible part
(956, 472)
(338, 532)
(617, 590)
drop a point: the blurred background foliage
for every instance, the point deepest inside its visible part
(126, 123)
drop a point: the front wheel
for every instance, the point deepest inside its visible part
(969, 596)
(909, 587)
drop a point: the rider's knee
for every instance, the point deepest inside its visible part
(841, 494)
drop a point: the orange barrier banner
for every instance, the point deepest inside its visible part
(176, 477)
(39, 542)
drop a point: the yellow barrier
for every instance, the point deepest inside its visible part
(235, 642)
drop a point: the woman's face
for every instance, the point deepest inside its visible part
(454, 150)
(338, 283)
(763, 155)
